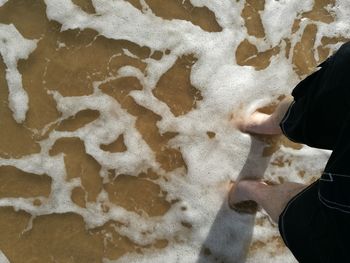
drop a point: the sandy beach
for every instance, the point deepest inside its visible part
(116, 135)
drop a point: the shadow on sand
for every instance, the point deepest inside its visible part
(231, 233)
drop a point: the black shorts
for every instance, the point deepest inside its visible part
(305, 228)
(321, 102)
(318, 229)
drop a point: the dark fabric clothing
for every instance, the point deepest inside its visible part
(308, 231)
(334, 190)
(315, 224)
(320, 103)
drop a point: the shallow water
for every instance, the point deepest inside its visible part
(126, 148)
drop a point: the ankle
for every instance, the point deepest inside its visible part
(261, 123)
(255, 123)
(252, 188)
(275, 125)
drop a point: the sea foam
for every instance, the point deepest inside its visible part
(2, 2)
(3, 258)
(13, 46)
(226, 88)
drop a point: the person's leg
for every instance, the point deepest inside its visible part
(261, 123)
(272, 198)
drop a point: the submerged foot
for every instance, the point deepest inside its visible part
(240, 197)
(258, 123)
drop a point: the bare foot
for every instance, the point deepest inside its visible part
(251, 123)
(258, 123)
(240, 199)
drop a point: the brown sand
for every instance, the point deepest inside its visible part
(63, 237)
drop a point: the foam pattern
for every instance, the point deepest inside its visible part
(225, 86)
(13, 46)
(3, 258)
(2, 2)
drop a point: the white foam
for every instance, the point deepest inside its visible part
(2, 2)
(3, 258)
(278, 17)
(225, 86)
(13, 46)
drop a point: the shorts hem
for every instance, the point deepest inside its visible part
(284, 119)
(281, 216)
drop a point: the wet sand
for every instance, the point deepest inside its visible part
(71, 68)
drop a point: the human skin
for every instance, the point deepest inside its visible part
(272, 198)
